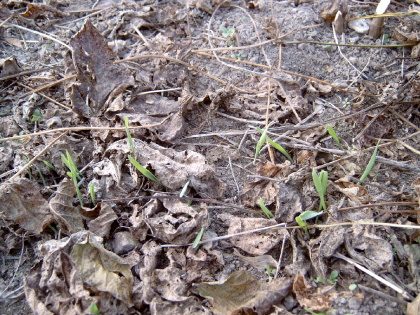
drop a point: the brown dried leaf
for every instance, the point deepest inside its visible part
(76, 272)
(241, 293)
(151, 109)
(330, 11)
(413, 308)
(101, 226)
(173, 221)
(9, 66)
(315, 300)
(35, 10)
(369, 249)
(259, 262)
(356, 193)
(23, 204)
(99, 79)
(255, 243)
(289, 202)
(175, 168)
(62, 208)
(169, 284)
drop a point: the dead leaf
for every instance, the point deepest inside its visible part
(175, 168)
(356, 193)
(9, 66)
(74, 273)
(173, 221)
(101, 226)
(330, 11)
(241, 293)
(62, 208)
(14, 41)
(23, 204)
(369, 249)
(151, 109)
(413, 308)
(169, 284)
(100, 80)
(315, 300)
(255, 243)
(289, 202)
(35, 10)
(259, 262)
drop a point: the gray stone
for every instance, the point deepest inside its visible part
(124, 242)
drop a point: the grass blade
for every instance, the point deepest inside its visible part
(260, 142)
(198, 238)
(321, 182)
(265, 209)
(145, 171)
(332, 133)
(129, 138)
(73, 174)
(370, 164)
(274, 144)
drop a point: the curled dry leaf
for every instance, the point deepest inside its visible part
(151, 109)
(99, 79)
(369, 249)
(173, 221)
(356, 193)
(175, 168)
(76, 272)
(61, 206)
(255, 243)
(241, 293)
(330, 11)
(101, 225)
(312, 299)
(23, 204)
(258, 262)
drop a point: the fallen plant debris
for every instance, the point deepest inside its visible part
(212, 157)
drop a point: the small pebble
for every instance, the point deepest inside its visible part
(360, 26)
(354, 303)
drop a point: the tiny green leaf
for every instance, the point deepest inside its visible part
(264, 208)
(321, 183)
(94, 309)
(129, 138)
(352, 287)
(275, 145)
(332, 133)
(184, 189)
(198, 238)
(49, 165)
(370, 164)
(92, 192)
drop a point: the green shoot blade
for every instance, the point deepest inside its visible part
(321, 182)
(145, 171)
(184, 189)
(198, 238)
(370, 164)
(49, 165)
(264, 208)
(92, 192)
(332, 133)
(260, 142)
(279, 148)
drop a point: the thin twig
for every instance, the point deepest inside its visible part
(43, 95)
(50, 85)
(382, 295)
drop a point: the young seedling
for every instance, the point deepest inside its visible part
(321, 182)
(49, 165)
(264, 208)
(129, 138)
(307, 215)
(94, 309)
(227, 31)
(270, 272)
(198, 238)
(370, 164)
(332, 133)
(333, 279)
(92, 192)
(352, 287)
(184, 190)
(145, 171)
(264, 137)
(74, 173)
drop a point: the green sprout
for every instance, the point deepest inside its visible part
(198, 238)
(264, 208)
(270, 272)
(264, 137)
(352, 287)
(183, 191)
(36, 116)
(129, 138)
(74, 173)
(304, 216)
(94, 309)
(92, 192)
(332, 133)
(321, 182)
(145, 171)
(49, 165)
(333, 279)
(227, 31)
(370, 164)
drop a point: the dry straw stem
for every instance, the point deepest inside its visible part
(15, 75)
(25, 167)
(43, 95)
(372, 274)
(282, 226)
(81, 129)
(50, 85)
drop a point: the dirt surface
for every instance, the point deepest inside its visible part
(189, 165)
